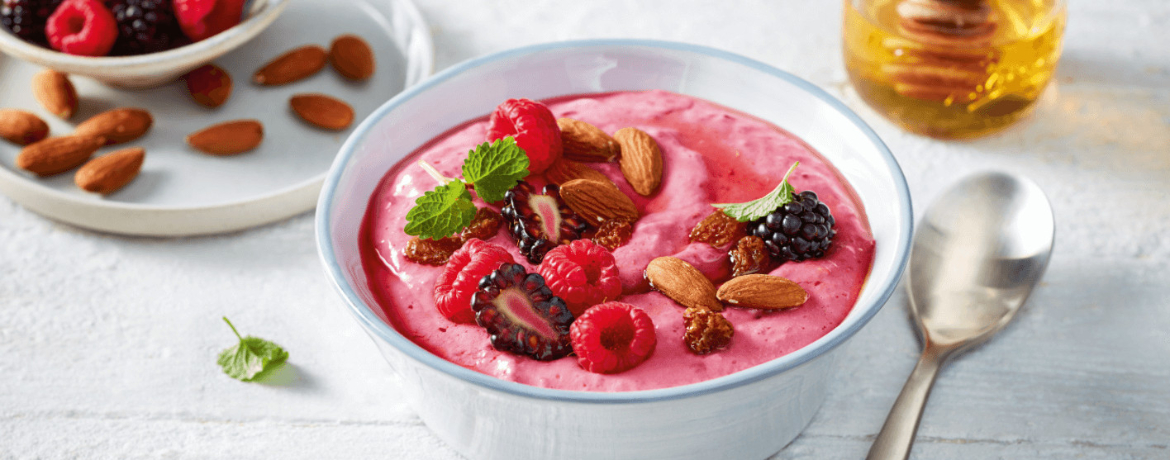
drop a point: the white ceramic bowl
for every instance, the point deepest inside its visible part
(153, 69)
(750, 414)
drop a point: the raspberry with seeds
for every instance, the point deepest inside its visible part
(460, 278)
(613, 337)
(83, 28)
(582, 273)
(533, 126)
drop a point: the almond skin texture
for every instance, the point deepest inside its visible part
(585, 142)
(352, 57)
(57, 155)
(228, 138)
(641, 160)
(210, 86)
(294, 65)
(322, 111)
(598, 201)
(562, 170)
(683, 283)
(55, 93)
(765, 292)
(22, 128)
(110, 172)
(117, 126)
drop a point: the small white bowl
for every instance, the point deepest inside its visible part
(750, 414)
(153, 69)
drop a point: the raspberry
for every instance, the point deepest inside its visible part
(707, 330)
(613, 337)
(799, 230)
(540, 222)
(200, 19)
(83, 28)
(533, 126)
(460, 278)
(614, 233)
(718, 229)
(522, 314)
(749, 256)
(582, 273)
(144, 26)
(26, 18)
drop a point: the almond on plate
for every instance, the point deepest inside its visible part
(322, 111)
(294, 65)
(641, 160)
(585, 142)
(761, 291)
(22, 128)
(228, 138)
(56, 155)
(55, 93)
(682, 282)
(110, 172)
(209, 85)
(598, 201)
(352, 57)
(117, 125)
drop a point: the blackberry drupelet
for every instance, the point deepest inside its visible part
(540, 222)
(26, 18)
(145, 26)
(802, 229)
(522, 314)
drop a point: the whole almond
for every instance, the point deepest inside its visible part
(292, 66)
(322, 111)
(228, 138)
(209, 85)
(20, 127)
(55, 93)
(352, 57)
(598, 201)
(641, 160)
(761, 291)
(563, 170)
(110, 172)
(56, 155)
(682, 282)
(117, 126)
(585, 142)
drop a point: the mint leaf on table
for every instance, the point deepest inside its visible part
(251, 358)
(760, 207)
(495, 168)
(441, 212)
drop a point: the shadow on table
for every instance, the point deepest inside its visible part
(290, 377)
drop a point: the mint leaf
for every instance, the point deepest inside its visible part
(441, 212)
(760, 207)
(494, 168)
(252, 358)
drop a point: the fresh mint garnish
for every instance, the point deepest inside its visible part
(760, 207)
(252, 358)
(493, 168)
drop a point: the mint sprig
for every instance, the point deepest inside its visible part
(493, 168)
(252, 358)
(762, 206)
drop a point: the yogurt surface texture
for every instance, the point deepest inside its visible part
(711, 154)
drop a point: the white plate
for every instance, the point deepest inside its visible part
(183, 192)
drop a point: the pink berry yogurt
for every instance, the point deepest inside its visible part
(712, 155)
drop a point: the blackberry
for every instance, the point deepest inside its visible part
(522, 314)
(144, 26)
(26, 18)
(802, 229)
(540, 222)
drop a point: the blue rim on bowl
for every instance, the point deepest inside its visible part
(385, 332)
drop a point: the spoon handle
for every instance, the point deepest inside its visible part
(897, 435)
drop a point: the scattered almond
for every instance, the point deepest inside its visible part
(57, 154)
(351, 57)
(228, 138)
(563, 170)
(117, 126)
(20, 127)
(322, 111)
(585, 142)
(598, 201)
(209, 85)
(55, 92)
(761, 291)
(641, 160)
(110, 172)
(292, 66)
(682, 282)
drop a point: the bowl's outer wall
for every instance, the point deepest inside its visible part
(486, 418)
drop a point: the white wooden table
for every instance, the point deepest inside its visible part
(108, 344)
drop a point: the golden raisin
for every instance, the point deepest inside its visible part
(718, 229)
(614, 233)
(707, 330)
(749, 256)
(485, 225)
(431, 252)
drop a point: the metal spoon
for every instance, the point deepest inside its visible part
(978, 252)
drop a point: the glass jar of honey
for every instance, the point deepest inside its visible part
(952, 68)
